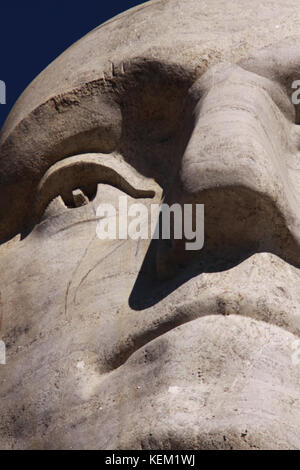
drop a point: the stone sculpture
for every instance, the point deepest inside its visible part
(136, 344)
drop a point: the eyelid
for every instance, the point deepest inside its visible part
(89, 169)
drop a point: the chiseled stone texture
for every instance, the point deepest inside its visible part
(138, 344)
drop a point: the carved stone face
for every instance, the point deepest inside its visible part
(116, 344)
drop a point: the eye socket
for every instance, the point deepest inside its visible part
(80, 196)
(76, 179)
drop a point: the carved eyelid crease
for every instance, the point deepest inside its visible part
(87, 171)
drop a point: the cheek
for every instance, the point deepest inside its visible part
(65, 284)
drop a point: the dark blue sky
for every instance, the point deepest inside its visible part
(35, 32)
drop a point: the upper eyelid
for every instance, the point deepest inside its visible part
(68, 174)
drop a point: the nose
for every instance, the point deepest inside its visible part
(237, 164)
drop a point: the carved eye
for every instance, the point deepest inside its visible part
(75, 180)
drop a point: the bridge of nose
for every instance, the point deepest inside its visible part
(240, 138)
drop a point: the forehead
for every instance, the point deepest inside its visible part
(193, 33)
